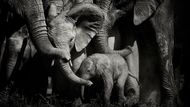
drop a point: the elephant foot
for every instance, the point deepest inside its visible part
(121, 102)
(131, 101)
(77, 103)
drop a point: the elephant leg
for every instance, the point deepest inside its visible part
(128, 38)
(168, 85)
(165, 40)
(108, 85)
(14, 46)
(121, 85)
(132, 89)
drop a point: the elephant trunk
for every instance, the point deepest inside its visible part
(86, 77)
(102, 36)
(37, 26)
(33, 13)
(103, 46)
(66, 70)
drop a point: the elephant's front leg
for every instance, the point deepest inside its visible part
(165, 49)
(13, 49)
(165, 38)
(108, 85)
(120, 85)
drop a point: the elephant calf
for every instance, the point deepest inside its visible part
(111, 68)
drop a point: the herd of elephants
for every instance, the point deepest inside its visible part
(121, 46)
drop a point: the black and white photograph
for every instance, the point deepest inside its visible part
(94, 53)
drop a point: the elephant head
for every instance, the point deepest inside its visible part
(142, 10)
(137, 11)
(33, 14)
(86, 71)
(74, 29)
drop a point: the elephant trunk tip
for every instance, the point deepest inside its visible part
(67, 71)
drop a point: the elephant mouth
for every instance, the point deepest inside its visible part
(64, 61)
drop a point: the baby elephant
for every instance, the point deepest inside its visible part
(111, 68)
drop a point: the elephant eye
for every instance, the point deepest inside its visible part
(72, 39)
(88, 70)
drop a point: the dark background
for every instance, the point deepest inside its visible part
(181, 54)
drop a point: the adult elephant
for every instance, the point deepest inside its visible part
(156, 15)
(72, 29)
(14, 14)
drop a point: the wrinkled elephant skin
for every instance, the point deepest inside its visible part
(16, 13)
(108, 68)
(156, 15)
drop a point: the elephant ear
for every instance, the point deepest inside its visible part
(143, 9)
(85, 32)
(89, 19)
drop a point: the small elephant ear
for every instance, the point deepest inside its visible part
(89, 21)
(143, 9)
(85, 32)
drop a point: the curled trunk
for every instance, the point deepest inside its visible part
(65, 69)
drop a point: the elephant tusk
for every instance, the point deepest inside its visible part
(70, 63)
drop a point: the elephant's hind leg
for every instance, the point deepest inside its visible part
(108, 86)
